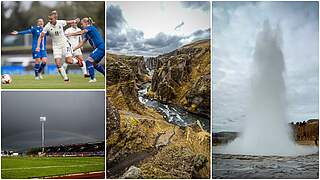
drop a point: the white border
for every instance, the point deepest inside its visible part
(211, 85)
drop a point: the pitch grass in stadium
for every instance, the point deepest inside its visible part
(77, 81)
(37, 167)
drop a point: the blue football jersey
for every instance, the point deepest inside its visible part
(35, 31)
(94, 37)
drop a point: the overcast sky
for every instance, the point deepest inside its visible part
(153, 28)
(27, 5)
(72, 117)
(235, 26)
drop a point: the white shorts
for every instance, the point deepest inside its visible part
(77, 52)
(62, 50)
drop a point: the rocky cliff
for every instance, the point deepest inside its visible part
(182, 77)
(124, 68)
(306, 131)
(140, 142)
(151, 63)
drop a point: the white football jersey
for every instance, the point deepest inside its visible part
(56, 32)
(74, 40)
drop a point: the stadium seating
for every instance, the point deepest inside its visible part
(86, 149)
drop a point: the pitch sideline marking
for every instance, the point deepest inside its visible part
(43, 167)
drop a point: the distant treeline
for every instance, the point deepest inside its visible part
(16, 17)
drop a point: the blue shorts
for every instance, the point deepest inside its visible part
(40, 54)
(97, 54)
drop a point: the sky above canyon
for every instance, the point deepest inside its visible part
(154, 28)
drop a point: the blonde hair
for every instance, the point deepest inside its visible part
(54, 12)
(88, 20)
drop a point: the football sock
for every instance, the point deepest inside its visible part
(36, 69)
(90, 68)
(84, 69)
(99, 68)
(65, 66)
(63, 73)
(42, 66)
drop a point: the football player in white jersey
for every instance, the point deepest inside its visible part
(75, 40)
(60, 43)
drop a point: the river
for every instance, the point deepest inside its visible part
(173, 114)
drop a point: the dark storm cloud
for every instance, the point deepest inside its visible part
(203, 5)
(72, 117)
(134, 35)
(162, 40)
(115, 39)
(115, 19)
(162, 43)
(200, 34)
(134, 42)
(124, 40)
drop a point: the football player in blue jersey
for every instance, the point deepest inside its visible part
(91, 34)
(40, 57)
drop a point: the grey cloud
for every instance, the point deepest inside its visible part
(115, 19)
(203, 5)
(200, 34)
(115, 39)
(163, 43)
(133, 42)
(162, 39)
(134, 34)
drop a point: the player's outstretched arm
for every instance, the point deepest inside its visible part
(77, 20)
(27, 31)
(39, 41)
(80, 44)
(77, 33)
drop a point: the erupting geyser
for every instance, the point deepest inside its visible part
(266, 131)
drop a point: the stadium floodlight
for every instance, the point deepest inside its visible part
(42, 120)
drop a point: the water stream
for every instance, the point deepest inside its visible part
(173, 114)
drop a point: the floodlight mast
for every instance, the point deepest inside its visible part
(42, 120)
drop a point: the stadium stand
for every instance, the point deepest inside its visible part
(85, 149)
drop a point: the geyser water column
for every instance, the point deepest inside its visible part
(266, 130)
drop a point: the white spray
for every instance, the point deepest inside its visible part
(266, 131)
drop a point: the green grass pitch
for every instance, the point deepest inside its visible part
(38, 167)
(77, 81)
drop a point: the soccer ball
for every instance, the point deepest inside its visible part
(6, 79)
